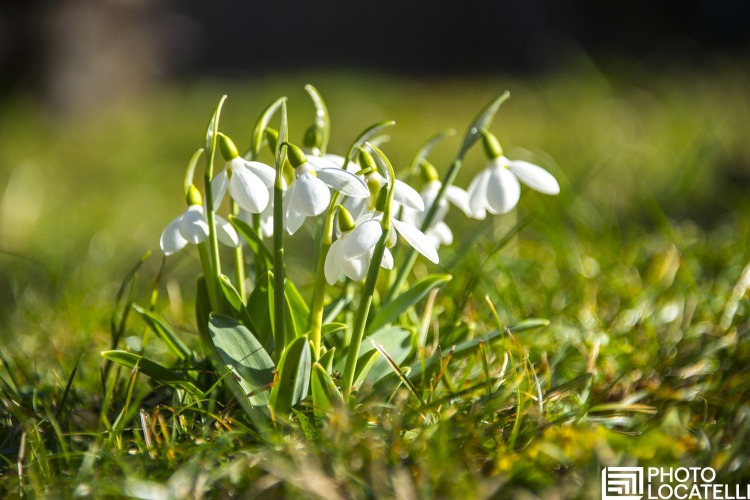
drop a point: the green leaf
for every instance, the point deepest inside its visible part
(326, 396)
(298, 312)
(154, 370)
(190, 170)
(482, 121)
(260, 310)
(203, 311)
(213, 129)
(365, 362)
(293, 377)
(469, 346)
(393, 309)
(427, 148)
(254, 241)
(326, 360)
(322, 119)
(164, 333)
(244, 356)
(396, 342)
(260, 128)
(231, 293)
(364, 137)
(401, 375)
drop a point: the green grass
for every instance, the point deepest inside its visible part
(638, 265)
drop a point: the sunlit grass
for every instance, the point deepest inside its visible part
(637, 265)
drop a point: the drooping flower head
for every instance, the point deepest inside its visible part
(351, 253)
(309, 195)
(192, 227)
(496, 189)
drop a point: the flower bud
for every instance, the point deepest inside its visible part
(313, 138)
(373, 184)
(382, 199)
(193, 196)
(272, 136)
(492, 146)
(366, 161)
(227, 147)
(346, 222)
(429, 173)
(295, 155)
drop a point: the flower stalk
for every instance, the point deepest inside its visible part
(360, 320)
(279, 271)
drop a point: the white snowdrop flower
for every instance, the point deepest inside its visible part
(497, 189)
(351, 253)
(439, 233)
(413, 236)
(404, 195)
(192, 227)
(249, 182)
(308, 195)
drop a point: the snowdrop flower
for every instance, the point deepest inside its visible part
(439, 233)
(413, 236)
(404, 194)
(308, 194)
(351, 254)
(250, 182)
(192, 227)
(496, 189)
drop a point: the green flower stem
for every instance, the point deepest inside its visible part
(279, 272)
(326, 239)
(411, 257)
(360, 321)
(239, 258)
(211, 285)
(213, 240)
(255, 224)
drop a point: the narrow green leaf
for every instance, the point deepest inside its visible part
(260, 127)
(326, 360)
(469, 346)
(154, 370)
(260, 310)
(365, 362)
(293, 376)
(231, 293)
(164, 333)
(326, 396)
(244, 356)
(396, 341)
(254, 241)
(482, 121)
(364, 137)
(298, 312)
(393, 309)
(427, 148)
(322, 119)
(213, 128)
(190, 170)
(401, 375)
(202, 311)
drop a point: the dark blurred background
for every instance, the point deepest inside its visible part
(77, 53)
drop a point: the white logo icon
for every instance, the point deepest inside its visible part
(622, 483)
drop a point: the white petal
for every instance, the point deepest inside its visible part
(318, 162)
(219, 187)
(478, 194)
(248, 190)
(293, 220)
(459, 198)
(387, 261)
(361, 240)
(193, 226)
(311, 196)
(503, 190)
(344, 182)
(416, 239)
(411, 216)
(332, 265)
(171, 240)
(534, 176)
(226, 233)
(264, 172)
(355, 206)
(352, 166)
(442, 233)
(356, 269)
(408, 196)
